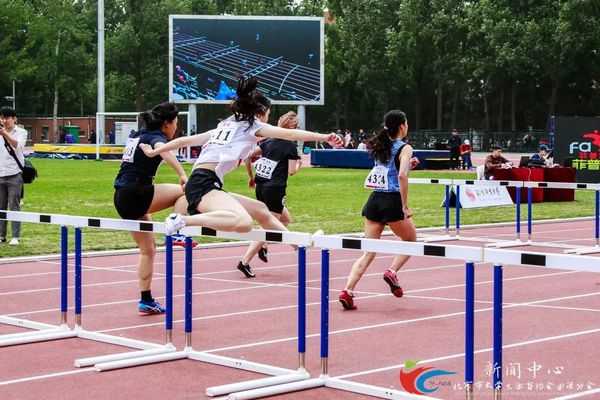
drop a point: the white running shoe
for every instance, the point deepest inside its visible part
(14, 241)
(173, 223)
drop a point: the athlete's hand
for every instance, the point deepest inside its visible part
(407, 212)
(334, 141)
(251, 183)
(183, 181)
(414, 162)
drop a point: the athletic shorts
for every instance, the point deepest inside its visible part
(133, 201)
(383, 207)
(272, 196)
(201, 182)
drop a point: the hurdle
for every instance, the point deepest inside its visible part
(518, 185)
(447, 236)
(531, 259)
(279, 375)
(44, 332)
(326, 243)
(78, 222)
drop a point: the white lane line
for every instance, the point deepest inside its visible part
(486, 350)
(395, 323)
(46, 376)
(576, 395)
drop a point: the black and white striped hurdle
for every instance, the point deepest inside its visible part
(518, 185)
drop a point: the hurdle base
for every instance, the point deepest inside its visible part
(238, 363)
(257, 383)
(584, 250)
(116, 340)
(507, 244)
(279, 389)
(36, 337)
(443, 238)
(86, 362)
(25, 323)
(134, 362)
(374, 391)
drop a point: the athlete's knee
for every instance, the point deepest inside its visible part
(243, 224)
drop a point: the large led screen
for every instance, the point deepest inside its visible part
(209, 53)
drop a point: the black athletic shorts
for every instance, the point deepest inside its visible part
(133, 201)
(201, 182)
(272, 196)
(383, 207)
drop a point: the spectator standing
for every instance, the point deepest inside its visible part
(69, 138)
(11, 177)
(454, 142)
(348, 139)
(92, 138)
(62, 138)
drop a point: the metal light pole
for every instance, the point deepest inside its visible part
(9, 98)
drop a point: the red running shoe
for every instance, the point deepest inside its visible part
(347, 300)
(179, 240)
(390, 278)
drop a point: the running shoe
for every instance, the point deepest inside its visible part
(173, 223)
(262, 254)
(151, 307)
(179, 240)
(246, 270)
(390, 278)
(347, 300)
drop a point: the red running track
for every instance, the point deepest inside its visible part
(551, 324)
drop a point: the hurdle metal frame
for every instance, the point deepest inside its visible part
(44, 332)
(78, 222)
(279, 375)
(518, 185)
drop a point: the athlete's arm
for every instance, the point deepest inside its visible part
(172, 161)
(405, 158)
(248, 164)
(195, 140)
(299, 134)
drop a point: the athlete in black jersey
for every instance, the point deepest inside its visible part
(278, 160)
(136, 197)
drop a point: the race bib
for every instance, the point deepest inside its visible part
(265, 167)
(377, 178)
(224, 132)
(130, 146)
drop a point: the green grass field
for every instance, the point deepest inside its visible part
(318, 198)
